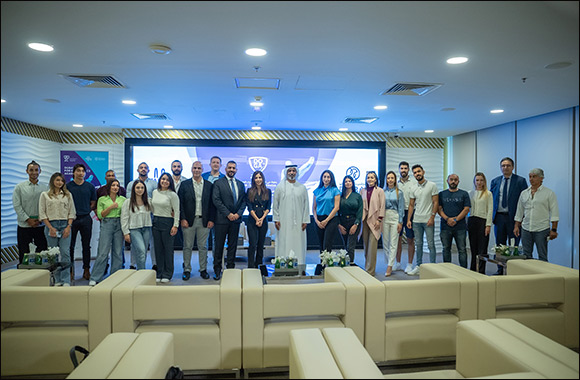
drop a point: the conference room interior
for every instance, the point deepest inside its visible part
(305, 118)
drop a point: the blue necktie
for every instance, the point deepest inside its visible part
(233, 191)
(505, 194)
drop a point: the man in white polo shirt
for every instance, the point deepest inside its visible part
(424, 202)
(537, 208)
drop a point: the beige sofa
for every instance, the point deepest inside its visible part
(25, 277)
(42, 323)
(205, 320)
(415, 320)
(571, 293)
(269, 312)
(484, 350)
(128, 356)
(536, 300)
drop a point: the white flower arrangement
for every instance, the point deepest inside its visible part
(505, 250)
(284, 261)
(332, 258)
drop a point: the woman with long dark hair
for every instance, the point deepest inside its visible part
(136, 222)
(325, 206)
(258, 200)
(165, 203)
(56, 209)
(350, 215)
(373, 212)
(110, 237)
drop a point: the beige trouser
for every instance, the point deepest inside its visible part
(370, 245)
(390, 236)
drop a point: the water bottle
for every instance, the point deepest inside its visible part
(31, 258)
(347, 260)
(277, 264)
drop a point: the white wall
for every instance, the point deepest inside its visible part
(544, 141)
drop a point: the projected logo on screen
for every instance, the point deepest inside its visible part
(354, 172)
(258, 163)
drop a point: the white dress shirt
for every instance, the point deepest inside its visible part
(535, 213)
(482, 205)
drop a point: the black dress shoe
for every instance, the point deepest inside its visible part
(186, 276)
(217, 276)
(204, 274)
(132, 267)
(154, 267)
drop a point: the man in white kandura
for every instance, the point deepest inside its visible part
(291, 214)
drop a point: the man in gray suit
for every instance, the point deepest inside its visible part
(228, 199)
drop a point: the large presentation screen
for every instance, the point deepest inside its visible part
(271, 160)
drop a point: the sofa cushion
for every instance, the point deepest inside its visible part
(304, 300)
(546, 321)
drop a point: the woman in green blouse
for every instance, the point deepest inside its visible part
(350, 214)
(110, 236)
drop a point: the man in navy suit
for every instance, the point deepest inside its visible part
(228, 199)
(506, 191)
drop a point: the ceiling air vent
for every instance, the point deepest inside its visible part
(413, 89)
(151, 116)
(258, 83)
(360, 120)
(94, 81)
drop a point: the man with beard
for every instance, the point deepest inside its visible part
(406, 185)
(176, 169)
(424, 203)
(150, 185)
(103, 190)
(229, 200)
(291, 215)
(454, 205)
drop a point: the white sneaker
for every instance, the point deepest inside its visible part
(164, 280)
(92, 283)
(408, 268)
(157, 280)
(414, 272)
(65, 284)
(58, 284)
(396, 267)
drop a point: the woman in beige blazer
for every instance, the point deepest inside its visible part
(372, 221)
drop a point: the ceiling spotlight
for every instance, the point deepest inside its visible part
(257, 102)
(160, 49)
(457, 60)
(380, 107)
(77, 125)
(496, 111)
(343, 129)
(129, 102)
(168, 126)
(3, 100)
(429, 131)
(256, 52)
(256, 127)
(40, 47)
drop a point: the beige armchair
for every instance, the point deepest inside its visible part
(205, 320)
(42, 323)
(25, 277)
(271, 311)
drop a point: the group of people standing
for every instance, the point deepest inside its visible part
(150, 213)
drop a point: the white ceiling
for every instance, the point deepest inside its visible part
(333, 58)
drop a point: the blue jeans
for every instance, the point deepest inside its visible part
(447, 235)
(110, 239)
(540, 238)
(62, 273)
(139, 240)
(419, 228)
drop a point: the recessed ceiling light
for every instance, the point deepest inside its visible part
(558, 65)
(380, 107)
(40, 47)
(496, 111)
(168, 126)
(429, 131)
(257, 104)
(457, 60)
(256, 52)
(343, 129)
(160, 49)
(131, 102)
(256, 127)
(3, 100)
(77, 125)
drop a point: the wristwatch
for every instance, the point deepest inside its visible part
(432, 214)
(554, 230)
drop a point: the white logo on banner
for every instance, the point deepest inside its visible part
(258, 163)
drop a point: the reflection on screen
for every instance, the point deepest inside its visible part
(270, 160)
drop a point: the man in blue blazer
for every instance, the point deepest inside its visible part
(506, 190)
(228, 199)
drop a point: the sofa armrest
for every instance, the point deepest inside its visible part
(310, 357)
(298, 300)
(30, 277)
(350, 355)
(44, 303)
(122, 300)
(231, 318)
(374, 340)
(252, 318)
(422, 295)
(354, 317)
(529, 289)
